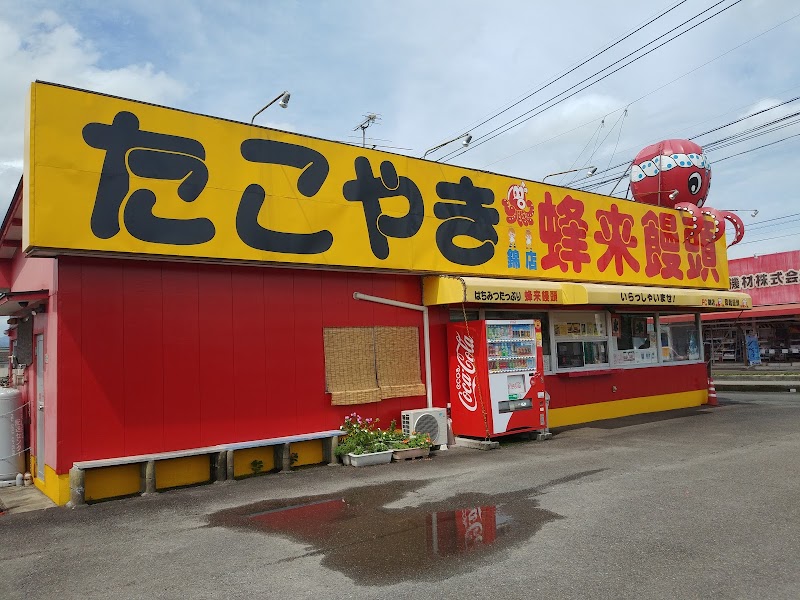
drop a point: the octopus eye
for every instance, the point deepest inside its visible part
(695, 183)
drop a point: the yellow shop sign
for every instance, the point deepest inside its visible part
(108, 175)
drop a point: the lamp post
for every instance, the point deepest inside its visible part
(466, 137)
(591, 171)
(284, 102)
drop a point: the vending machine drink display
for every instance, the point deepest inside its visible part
(496, 377)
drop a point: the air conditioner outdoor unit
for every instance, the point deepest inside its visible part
(432, 421)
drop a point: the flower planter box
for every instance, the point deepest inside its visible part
(371, 458)
(345, 459)
(407, 453)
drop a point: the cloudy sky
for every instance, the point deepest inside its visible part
(435, 70)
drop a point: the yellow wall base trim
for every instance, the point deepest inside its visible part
(176, 472)
(243, 459)
(573, 415)
(111, 482)
(54, 486)
(308, 453)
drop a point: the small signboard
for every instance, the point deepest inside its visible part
(753, 351)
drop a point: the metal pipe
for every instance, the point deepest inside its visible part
(425, 333)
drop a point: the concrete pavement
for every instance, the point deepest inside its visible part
(757, 379)
(738, 385)
(688, 504)
(23, 499)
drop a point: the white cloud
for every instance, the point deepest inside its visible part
(432, 70)
(43, 46)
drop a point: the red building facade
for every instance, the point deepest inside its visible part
(135, 347)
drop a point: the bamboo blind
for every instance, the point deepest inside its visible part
(350, 365)
(397, 361)
(366, 364)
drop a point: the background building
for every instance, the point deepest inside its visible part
(773, 324)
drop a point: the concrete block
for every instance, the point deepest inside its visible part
(229, 471)
(77, 488)
(221, 466)
(477, 444)
(149, 478)
(286, 458)
(329, 450)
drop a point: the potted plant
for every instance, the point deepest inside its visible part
(416, 445)
(376, 454)
(363, 444)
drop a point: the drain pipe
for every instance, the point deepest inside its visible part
(425, 333)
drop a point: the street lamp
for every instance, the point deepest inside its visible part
(284, 102)
(591, 171)
(753, 211)
(465, 137)
(672, 195)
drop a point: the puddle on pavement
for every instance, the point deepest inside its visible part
(374, 545)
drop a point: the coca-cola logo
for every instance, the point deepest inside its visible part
(465, 372)
(472, 520)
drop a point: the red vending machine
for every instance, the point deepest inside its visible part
(496, 378)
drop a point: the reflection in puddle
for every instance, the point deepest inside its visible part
(374, 545)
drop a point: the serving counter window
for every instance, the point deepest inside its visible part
(680, 338)
(588, 341)
(633, 339)
(581, 339)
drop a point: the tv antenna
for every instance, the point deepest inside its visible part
(368, 120)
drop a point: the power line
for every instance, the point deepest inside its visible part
(598, 184)
(762, 129)
(716, 144)
(601, 70)
(619, 135)
(746, 117)
(511, 125)
(757, 148)
(759, 228)
(620, 120)
(774, 237)
(653, 91)
(596, 133)
(576, 67)
(779, 218)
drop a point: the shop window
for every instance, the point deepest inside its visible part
(633, 339)
(369, 364)
(581, 340)
(679, 337)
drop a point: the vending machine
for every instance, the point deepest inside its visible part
(496, 378)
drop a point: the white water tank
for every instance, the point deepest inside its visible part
(12, 434)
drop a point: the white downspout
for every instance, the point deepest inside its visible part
(425, 333)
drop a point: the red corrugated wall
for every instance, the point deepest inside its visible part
(629, 383)
(157, 356)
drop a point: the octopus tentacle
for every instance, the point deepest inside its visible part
(737, 223)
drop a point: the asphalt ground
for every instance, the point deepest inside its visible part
(698, 503)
